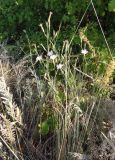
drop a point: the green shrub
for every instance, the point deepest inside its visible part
(19, 15)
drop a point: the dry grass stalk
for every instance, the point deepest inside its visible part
(85, 40)
(108, 74)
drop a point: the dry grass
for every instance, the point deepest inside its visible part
(50, 108)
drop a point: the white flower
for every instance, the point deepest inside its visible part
(59, 66)
(84, 51)
(50, 53)
(53, 57)
(39, 58)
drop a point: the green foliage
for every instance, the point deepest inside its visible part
(112, 6)
(19, 15)
(47, 126)
(44, 128)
